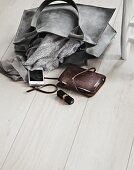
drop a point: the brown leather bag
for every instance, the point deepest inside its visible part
(84, 81)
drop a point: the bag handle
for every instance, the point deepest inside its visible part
(76, 32)
(73, 79)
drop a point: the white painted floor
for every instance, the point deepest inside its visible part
(40, 132)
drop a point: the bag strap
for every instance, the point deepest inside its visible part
(76, 32)
(44, 91)
(73, 79)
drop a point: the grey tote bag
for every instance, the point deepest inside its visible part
(86, 23)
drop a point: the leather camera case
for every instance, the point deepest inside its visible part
(84, 81)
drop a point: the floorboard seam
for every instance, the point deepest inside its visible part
(7, 49)
(131, 148)
(75, 135)
(18, 131)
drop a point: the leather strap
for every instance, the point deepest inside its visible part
(43, 91)
(76, 33)
(73, 79)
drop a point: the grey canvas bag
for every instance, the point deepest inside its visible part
(81, 22)
(84, 23)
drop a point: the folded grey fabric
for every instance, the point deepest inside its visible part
(103, 42)
(51, 52)
(13, 68)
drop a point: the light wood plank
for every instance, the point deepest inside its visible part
(3, 5)
(14, 103)
(14, 106)
(47, 134)
(131, 158)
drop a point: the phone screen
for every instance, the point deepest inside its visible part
(36, 75)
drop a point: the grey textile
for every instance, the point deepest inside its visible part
(13, 68)
(103, 42)
(51, 34)
(86, 23)
(50, 53)
(83, 22)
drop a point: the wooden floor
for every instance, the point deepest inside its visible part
(40, 132)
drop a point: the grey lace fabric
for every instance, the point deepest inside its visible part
(51, 52)
(46, 53)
